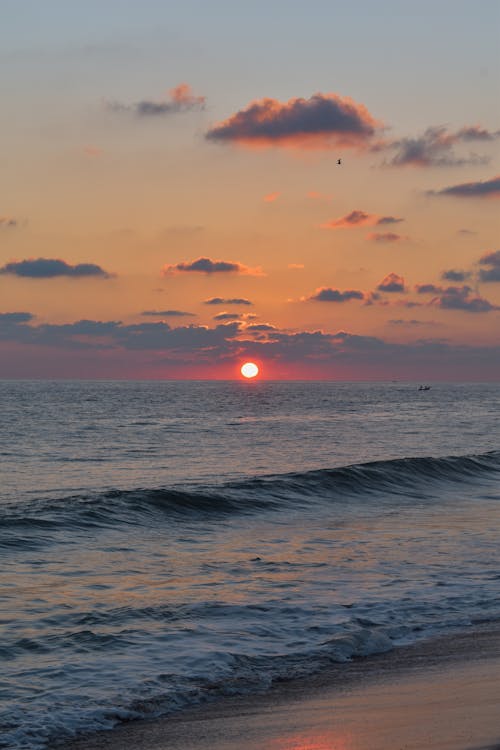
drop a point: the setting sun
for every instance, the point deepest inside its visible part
(249, 370)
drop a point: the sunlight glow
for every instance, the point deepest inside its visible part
(249, 370)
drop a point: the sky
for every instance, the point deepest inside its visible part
(172, 202)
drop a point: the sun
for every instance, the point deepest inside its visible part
(249, 370)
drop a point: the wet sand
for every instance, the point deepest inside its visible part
(442, 694)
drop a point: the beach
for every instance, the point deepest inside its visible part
(442, 694)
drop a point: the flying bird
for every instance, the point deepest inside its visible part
(339, 162)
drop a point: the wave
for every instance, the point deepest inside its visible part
(406, 478)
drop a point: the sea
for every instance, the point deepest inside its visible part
(164, 544)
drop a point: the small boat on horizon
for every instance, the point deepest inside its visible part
(424, 387)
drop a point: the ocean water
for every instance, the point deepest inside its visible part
(163, 544)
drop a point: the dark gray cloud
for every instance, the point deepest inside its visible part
(493, 272)
(462, 298)
(157, 344)
(327, 294)
(181, 99)
(227, 316)
(16, 317)
(168, 314)
(455, 275)
(322, 121)
(227, 301)
(260, 327)
(389, 220)
(48, 268)
(436, 147)
(480, 189)
(392, 283)
(428, 289)
(358, 218)
(206, 265)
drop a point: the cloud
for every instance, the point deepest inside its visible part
(493, 272)
(327, 294)
(428, 289)
(47, 268)
(389, 220)
(359, 218)
(466, 232)
(181, 99)
(227, 316)
(435, 147)
(411, 323)
(16, 317)
(116, 348)
(460, 298)
(7, 222)
(260, 327)
(227, 301)
(271, 197)
(456, 276)
(296, 266)
(480, 189)
(168, 314)
(208, 266)
(385, 237)
(392, 283)
(324, 121)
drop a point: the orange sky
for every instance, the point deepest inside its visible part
(162, 187)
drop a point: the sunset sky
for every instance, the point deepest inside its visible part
(172, 205)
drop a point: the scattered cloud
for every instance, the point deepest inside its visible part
(461, 298)
(227, 316)
(47, 268)
(16, 317)
(480, 189)
(359, 218)
(227, 301)
(181, 99)
(208, 266)
(466, 232)
(456, 276)
(392, 283)
(327, 294)
(324, 121)
(385, 237)
(493, 272)
(261, 327)
(271, 197)
(435, 147)
(428, 289)
(168, 314)
(389, 220)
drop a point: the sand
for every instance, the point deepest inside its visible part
(442, 694)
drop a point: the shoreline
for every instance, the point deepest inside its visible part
(437, 694)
